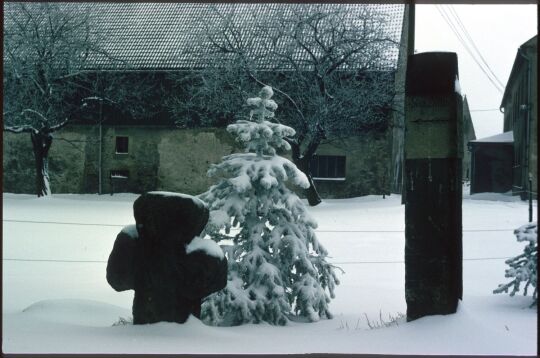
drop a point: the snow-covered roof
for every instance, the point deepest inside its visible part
(506, 137)
(168, 35)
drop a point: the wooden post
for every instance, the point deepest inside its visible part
(433, 155)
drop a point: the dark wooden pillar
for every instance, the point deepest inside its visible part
(433, 185)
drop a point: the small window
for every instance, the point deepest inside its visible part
(122, 145)
(119, 174)
(328, 167)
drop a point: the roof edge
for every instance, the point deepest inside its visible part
(517, 62)
(506, 138)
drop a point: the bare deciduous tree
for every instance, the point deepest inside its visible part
(328, 67)
(45, 47)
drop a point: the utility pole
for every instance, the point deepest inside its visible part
(411, 28)
(411, 15)
(100, 149)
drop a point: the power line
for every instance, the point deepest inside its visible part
(318, 231)
(402, 262)
(61, 223)
(498, 85)
(484, 110)
(402, 231)
(460, 24)
(333, 263)
(53, 260)
(450, 23)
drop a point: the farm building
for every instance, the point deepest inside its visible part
(491, 163)
(520, 106)
(508, 162)
(106, 150)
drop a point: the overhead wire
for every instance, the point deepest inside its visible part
(461, 39)
(450, 23)
(471, 41)
(448, 19)
(484, 110)
(318, 231)
(333, 263)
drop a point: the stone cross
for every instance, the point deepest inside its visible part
(163, 260)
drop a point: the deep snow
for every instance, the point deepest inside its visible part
(57, 304)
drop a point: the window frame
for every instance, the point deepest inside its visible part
(118, 145)
(336, 164)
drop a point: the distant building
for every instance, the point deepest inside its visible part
(507, 162)
(491, 163)
(520, 106)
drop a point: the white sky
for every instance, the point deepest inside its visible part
(497, 31)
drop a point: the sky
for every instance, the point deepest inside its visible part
(497, 31)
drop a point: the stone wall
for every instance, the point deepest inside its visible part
(171, 159)
(185, 157)
(159, 158)
(68, 159)
(68, 162)
(18, 164)
(366, 166)
(141, 161)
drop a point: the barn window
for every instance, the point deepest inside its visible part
(328, 167)
(122, 144)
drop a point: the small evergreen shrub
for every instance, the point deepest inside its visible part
(277, 267)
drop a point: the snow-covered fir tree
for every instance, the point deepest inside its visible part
(523, 268)
(277, 268)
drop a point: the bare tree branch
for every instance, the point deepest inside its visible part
(315, 57)
(45, 47)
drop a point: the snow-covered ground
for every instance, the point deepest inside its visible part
(56, 298)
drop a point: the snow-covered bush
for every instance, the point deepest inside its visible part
(524, 267)
(277, 268)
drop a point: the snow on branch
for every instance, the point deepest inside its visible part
(524, 267)
(40, 116)
(20, 129)
(277, 267)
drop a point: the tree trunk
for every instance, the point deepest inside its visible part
(311, 193)
(303, 163)
(41, 143)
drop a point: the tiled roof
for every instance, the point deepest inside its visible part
(169, 35)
